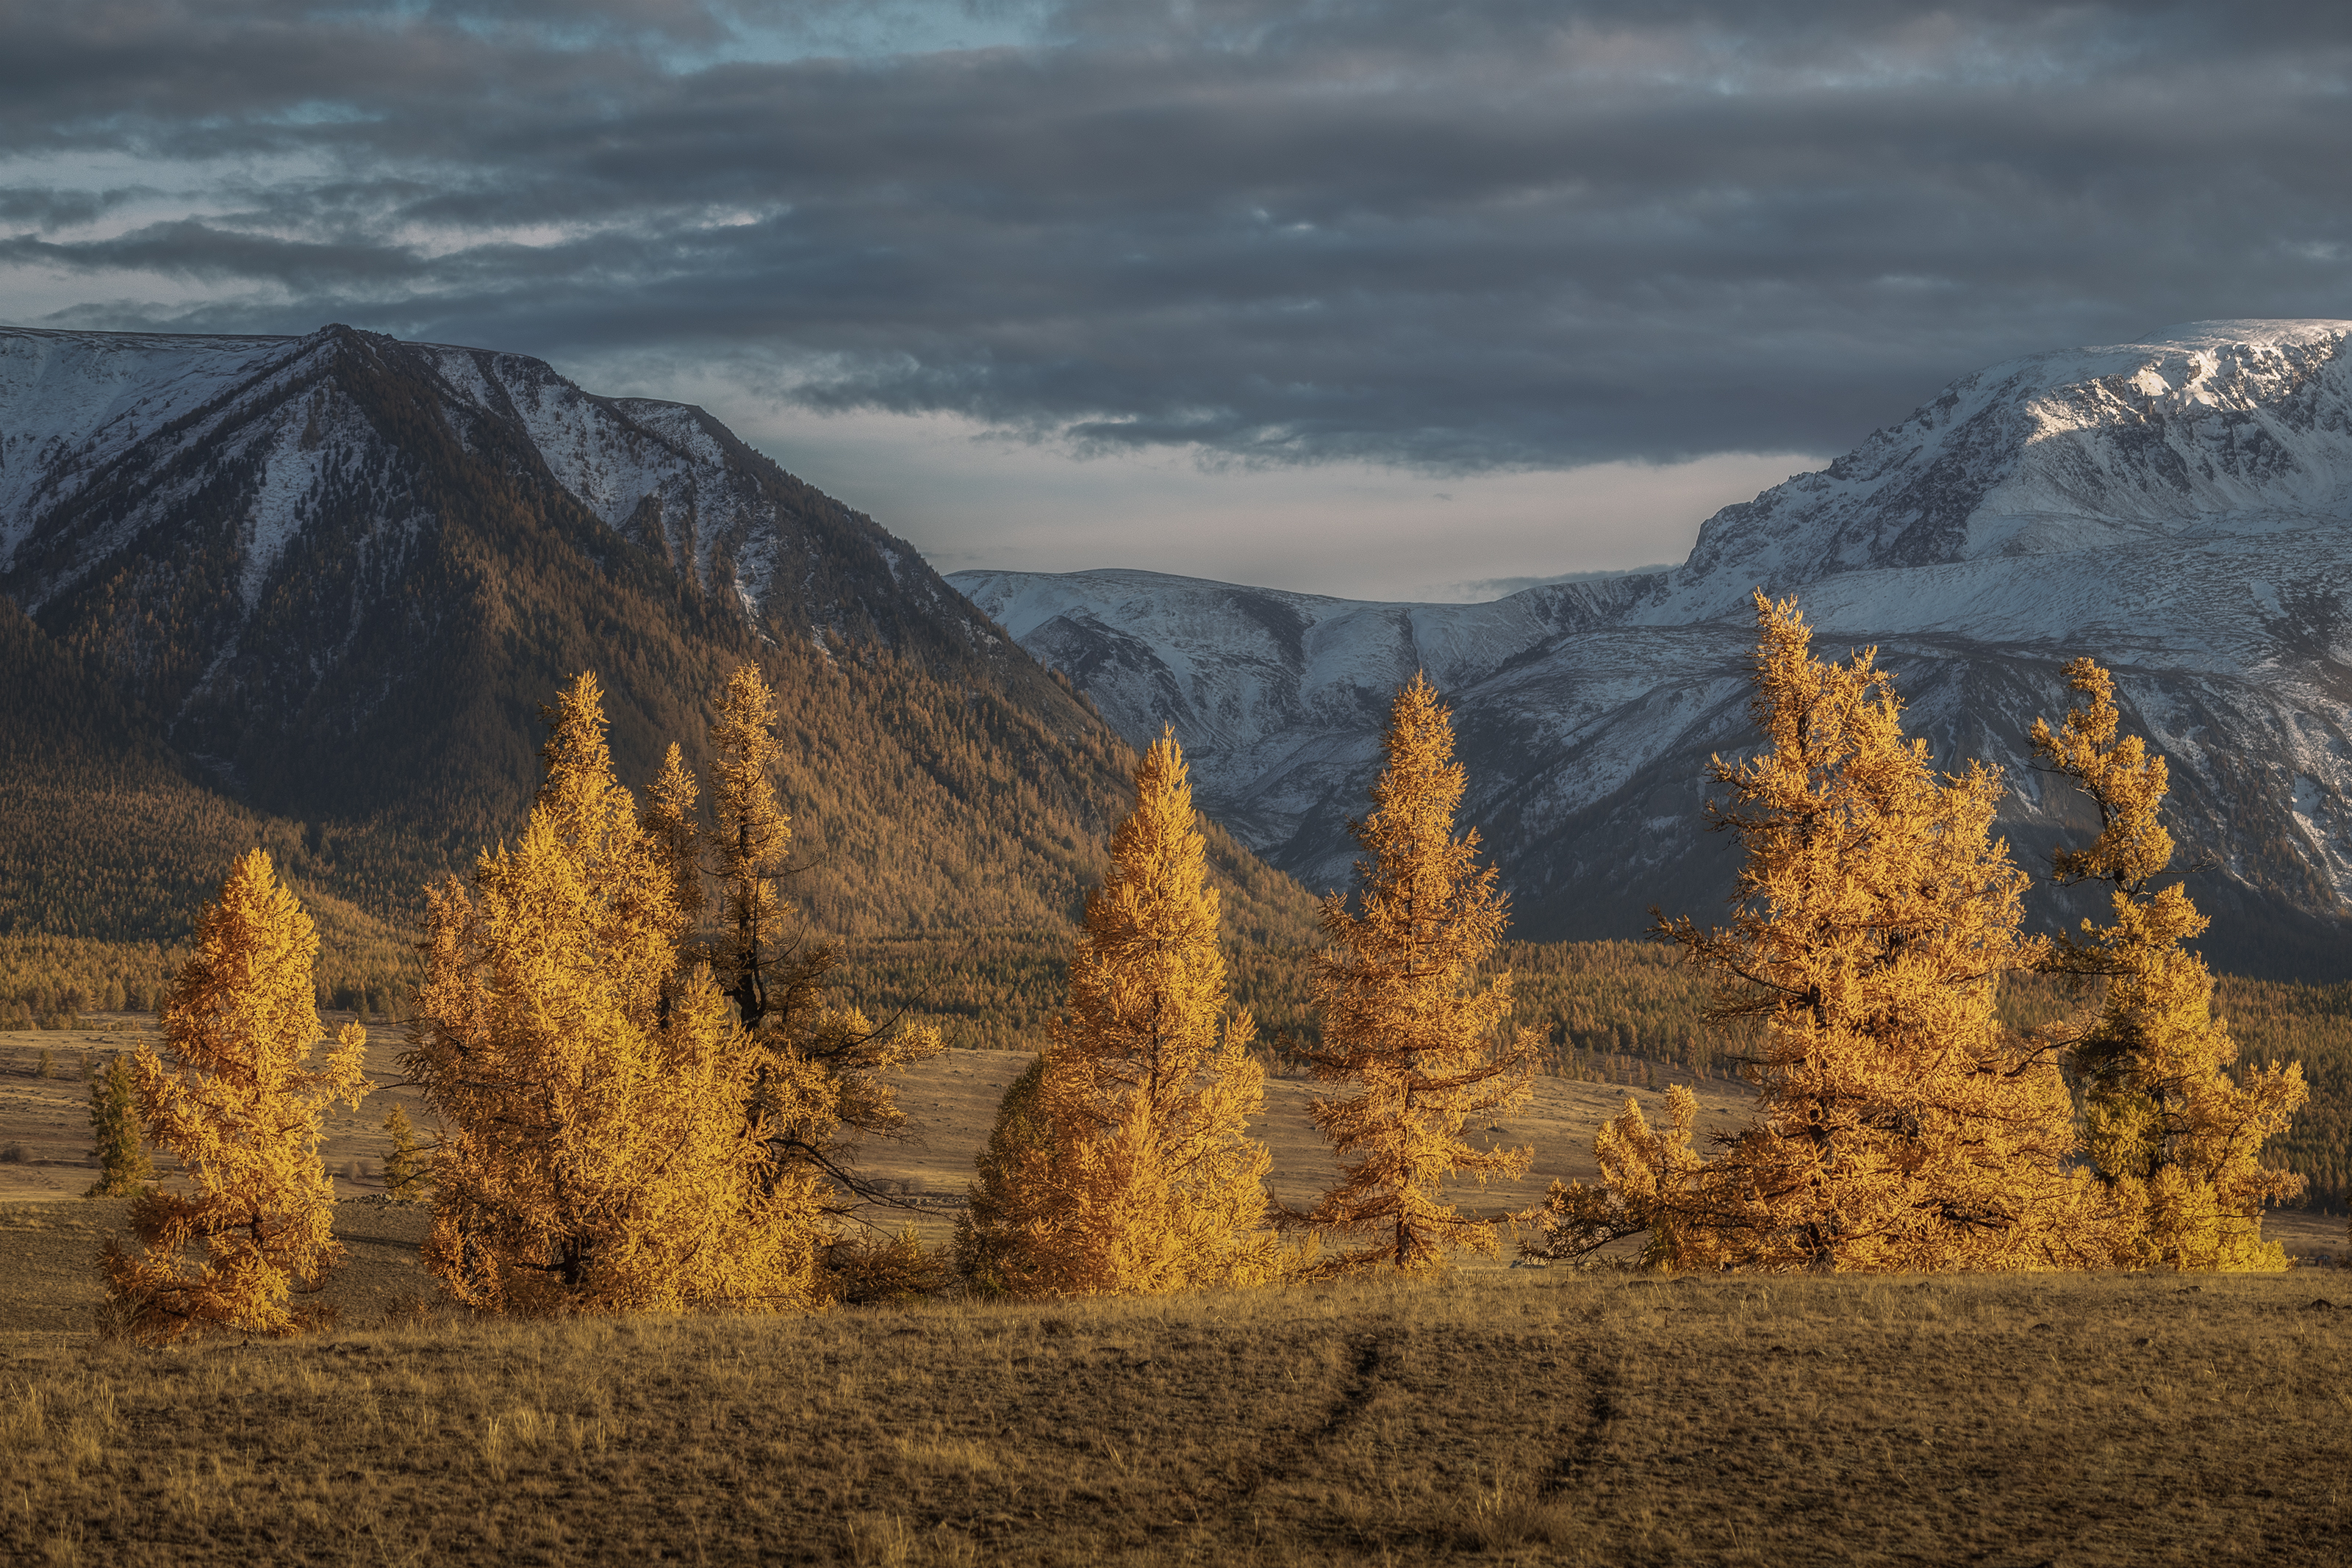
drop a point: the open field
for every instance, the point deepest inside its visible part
(1554, 1417)
(950, 1102)
(1504, 1415)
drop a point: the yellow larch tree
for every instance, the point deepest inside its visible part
(1403, 1018)
(595, 1155)
(750, 840)
(820, 1083)
(1123, 1164)
(123, 1166)
(242, 1107)
(1903, 1128)
(674, 830)
(406, 1173)
(2175, 1137)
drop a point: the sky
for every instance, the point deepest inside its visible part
(1388, 298)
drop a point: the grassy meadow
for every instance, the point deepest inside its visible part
(1599, 1415)
(1573, 1417)
(1607, 1013)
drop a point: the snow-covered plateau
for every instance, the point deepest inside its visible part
(2179, 508)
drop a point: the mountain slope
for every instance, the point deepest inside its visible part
(324, 583)
(2180, 508)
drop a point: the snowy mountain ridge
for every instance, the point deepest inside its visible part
(2180, 508)
(331, 577)
(76, 406)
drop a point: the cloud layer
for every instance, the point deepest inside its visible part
(1453, 236)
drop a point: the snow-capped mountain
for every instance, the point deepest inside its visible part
(253, 534)
(111, 440)
(2180, 507)
(330, 578)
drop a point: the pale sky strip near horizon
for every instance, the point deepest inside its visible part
(1395, 298)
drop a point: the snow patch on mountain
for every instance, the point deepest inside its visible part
(291, 469)
(70, 402)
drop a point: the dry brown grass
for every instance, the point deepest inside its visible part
(1505, 1415)
(950, 1101)
(1516, 1415)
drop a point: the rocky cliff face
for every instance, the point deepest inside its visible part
(2181, 508)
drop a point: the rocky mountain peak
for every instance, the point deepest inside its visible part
(2211, 429)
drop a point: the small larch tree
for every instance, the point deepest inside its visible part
(2173, 1136)
(1903, 1127)
(594, 1154)
(1122, 1164)
(1404, 1020)
(403, 1161)
(242, 1107)
(752, 840)
(123, 1165)
(1011, 1212)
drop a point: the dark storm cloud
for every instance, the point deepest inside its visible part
(1466, 235)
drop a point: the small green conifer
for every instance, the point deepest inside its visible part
(403, 1164)
(123, 1161)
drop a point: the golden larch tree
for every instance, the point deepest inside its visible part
(2172, 1134)
(1125, 1166)
(1901, 1126)
(242, 1107)
(752, 840)
(405, 1168)
(820, 1083)
(1012, 1199)
(595, 1155)
(1404, 1017)
(674, 830)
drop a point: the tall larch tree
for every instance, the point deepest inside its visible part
(752, 840)
(1404, 1020)
(820, 1083)
(2173, 1135)
(672, 825)
(1124, 1165)
(595, 1156)
(242, 1107)
(1903, 1127)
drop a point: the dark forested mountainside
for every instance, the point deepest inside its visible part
(312, 592)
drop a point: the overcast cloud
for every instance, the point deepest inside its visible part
(1438, 247)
